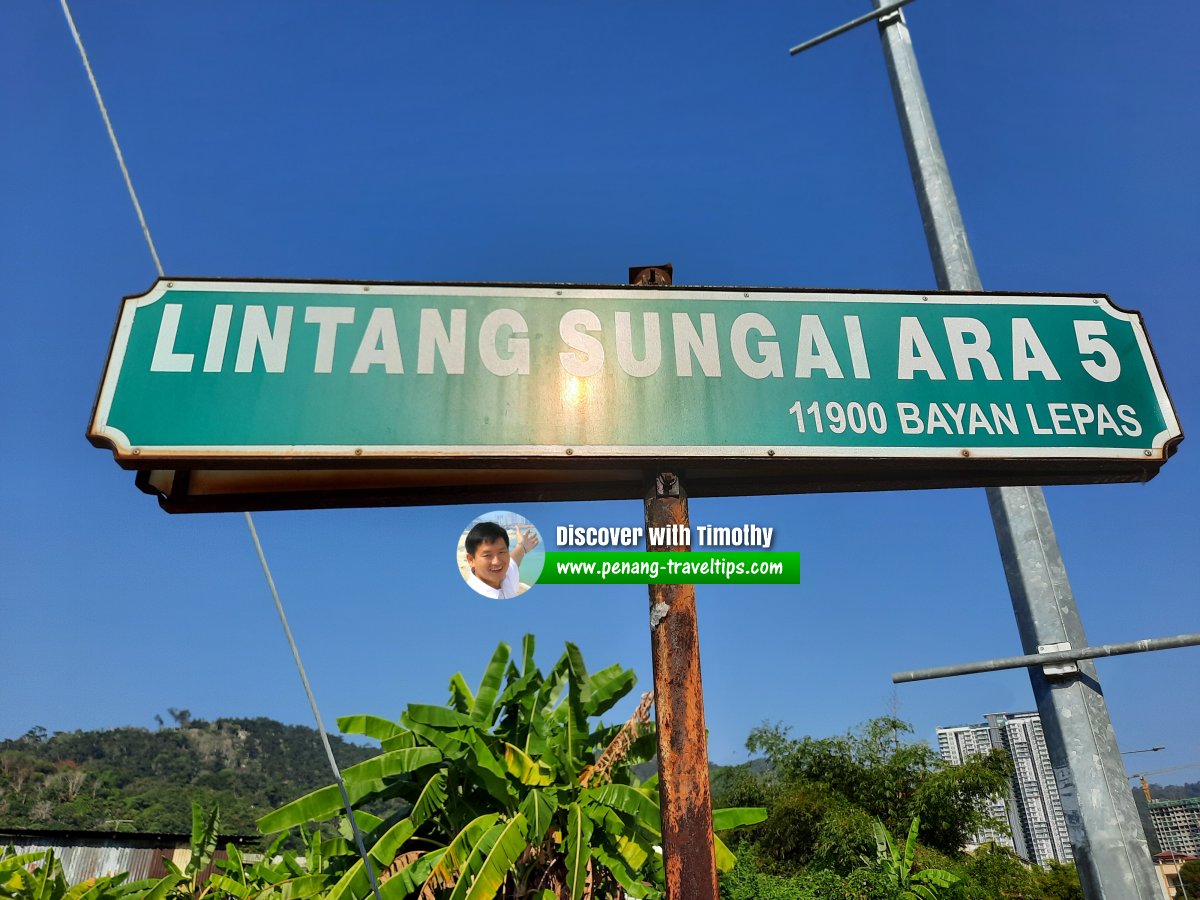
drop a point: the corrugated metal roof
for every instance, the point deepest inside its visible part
(91, 836)
(84, 859)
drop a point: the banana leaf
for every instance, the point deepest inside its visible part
(625, 876)
(137, 889)
(354, 883)
(372, 726)
(323, 803)
(474, 862)
(461, 697)
(305, 886)
(580, 684)
(608, 687)
(633, 852)
(162, 888)
(391, 841)
(528, 642)
(432, 796)
(449, 743)
(392, 763)
(553, 687)
(517, 701)
(570, 740)
(724, 856)
(520, 689)
(450, 865)
(605, 818)
(204, 838)
(737, 816)
(412, 877)
(437, 716)
(644, 746)
(538, 808)
(366, 822)
(490, 771)
(541, 710)
(484, 709)
(506, 848)
(401, 740)
(640, 803)
(97, 888)
(230, 886)
(577, 850)
(533, 738)
(430, 800)
(524, 769)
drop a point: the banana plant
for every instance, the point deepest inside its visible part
(499, 794)
(898, 865)
(280, 874)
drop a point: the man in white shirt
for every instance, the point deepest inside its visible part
(494, 571)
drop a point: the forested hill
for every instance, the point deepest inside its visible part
(1175, 791)
(134, 779)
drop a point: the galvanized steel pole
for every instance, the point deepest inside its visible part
(689, 859)
(1106, 835)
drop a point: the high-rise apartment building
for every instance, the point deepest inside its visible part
(1177, 824)
(1033, 809)
(1043, 824)
(958, 744)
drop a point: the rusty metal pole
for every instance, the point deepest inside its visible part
(683, 789)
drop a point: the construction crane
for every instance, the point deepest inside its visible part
(1146, 784)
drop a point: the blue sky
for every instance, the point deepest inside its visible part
(566, 142)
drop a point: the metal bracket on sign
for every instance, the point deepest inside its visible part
(666, 484)
(892, 15)
(1057, 670)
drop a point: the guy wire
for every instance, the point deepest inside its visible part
(312, 702)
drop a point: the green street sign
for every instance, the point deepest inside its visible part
(595, 383)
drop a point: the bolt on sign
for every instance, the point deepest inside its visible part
(256, 394)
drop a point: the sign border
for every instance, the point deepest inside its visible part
(103, 435)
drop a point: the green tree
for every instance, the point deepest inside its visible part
(992, 871)
(811, 825)
(1059, 881)
(1189, 874)
(894, 780)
